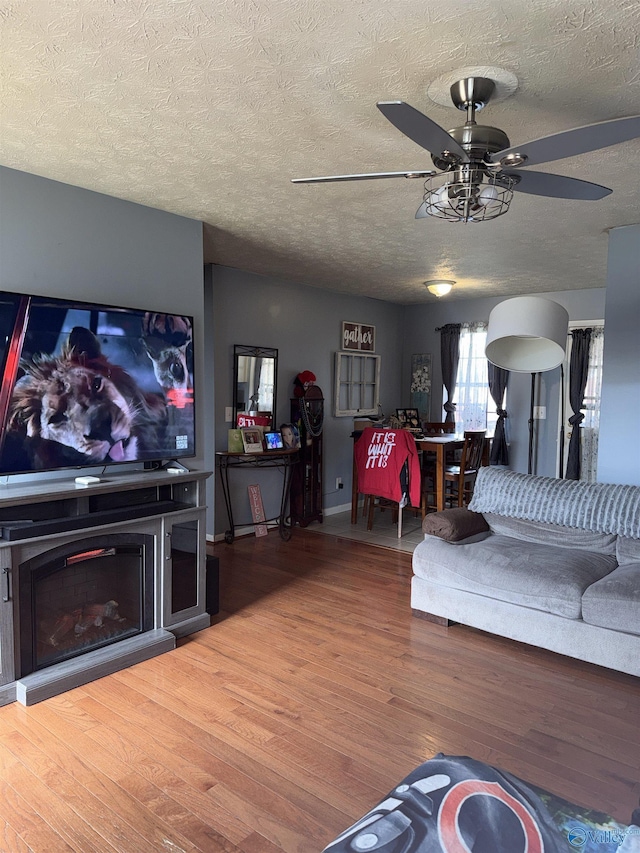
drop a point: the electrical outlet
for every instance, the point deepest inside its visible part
(539, 413)
(338, 483)
(228, 414)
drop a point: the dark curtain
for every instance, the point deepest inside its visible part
(449, 354)
(578, 367)
(498, 381)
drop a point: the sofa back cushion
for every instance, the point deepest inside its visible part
(600, 507)
(552, 534)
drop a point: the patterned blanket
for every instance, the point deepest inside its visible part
(454, 804)
(600, 507)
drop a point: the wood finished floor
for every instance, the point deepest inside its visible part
(313, 693)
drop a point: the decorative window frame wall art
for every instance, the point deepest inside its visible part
(420, 391)
(358, 337)
(357, 384)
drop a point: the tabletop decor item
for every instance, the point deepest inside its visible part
(252, 440)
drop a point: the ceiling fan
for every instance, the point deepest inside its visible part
(477, 169)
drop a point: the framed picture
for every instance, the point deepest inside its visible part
(357, 336)
(409, 418)
(252, 440)
(273, 441)
(412, 418)
(421, 384)
(290, 436)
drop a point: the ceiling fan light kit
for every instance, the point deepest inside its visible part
(439, 286)
(477, 169)
(466, 195)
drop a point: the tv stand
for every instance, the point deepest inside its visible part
(38, 517)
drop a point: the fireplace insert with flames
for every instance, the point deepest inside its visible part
(84, 595)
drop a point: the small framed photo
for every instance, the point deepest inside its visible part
(252, 440)
(412, 418)
(273, 441)
(290, 436)
(401, 415)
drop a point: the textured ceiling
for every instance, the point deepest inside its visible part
(207, 108)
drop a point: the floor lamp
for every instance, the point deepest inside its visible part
(527, 334)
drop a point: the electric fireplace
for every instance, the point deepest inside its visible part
(83, 596)
(98, 578)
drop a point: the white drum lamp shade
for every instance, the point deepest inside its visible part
(527, 334)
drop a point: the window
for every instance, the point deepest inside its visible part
(474, 407)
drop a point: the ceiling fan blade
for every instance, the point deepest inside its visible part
(556, 186)
(421, 212)
(568, 143)
(365, 177)
(421, 129)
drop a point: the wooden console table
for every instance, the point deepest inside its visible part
(282, 460)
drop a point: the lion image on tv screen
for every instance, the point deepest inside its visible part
(78, 408)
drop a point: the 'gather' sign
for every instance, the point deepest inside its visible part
(356, 336)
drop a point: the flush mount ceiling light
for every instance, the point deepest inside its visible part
(439, 286)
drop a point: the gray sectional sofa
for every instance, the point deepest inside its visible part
(554, 563)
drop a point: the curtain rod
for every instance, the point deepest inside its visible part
(448, 326)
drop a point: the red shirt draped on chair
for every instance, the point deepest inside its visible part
(380, 455)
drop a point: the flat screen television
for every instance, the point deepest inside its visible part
(86, 385)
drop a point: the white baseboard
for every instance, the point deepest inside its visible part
(248, 528)
(334, 510)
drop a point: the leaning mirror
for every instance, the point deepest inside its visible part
(255, 374)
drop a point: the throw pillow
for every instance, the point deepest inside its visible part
(455, 524)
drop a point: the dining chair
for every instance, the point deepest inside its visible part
(428, 461)
(459, 480)
(388, 472)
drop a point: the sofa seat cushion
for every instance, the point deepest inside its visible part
(614, 601)
(552, 534)
(543, 577)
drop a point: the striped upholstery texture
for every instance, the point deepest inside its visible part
(600, 507)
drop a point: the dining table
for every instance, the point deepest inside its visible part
(440, 445)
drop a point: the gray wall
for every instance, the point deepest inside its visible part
(619, 449)
(63, 241)
(304, 324)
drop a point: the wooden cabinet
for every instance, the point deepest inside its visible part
(306, 479)
(183, 558)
